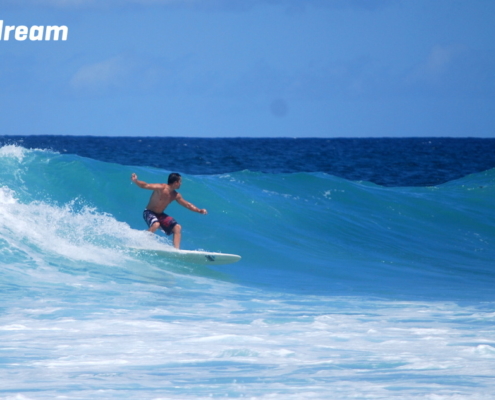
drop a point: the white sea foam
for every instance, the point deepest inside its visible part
(72, 231)
(7, 196)
(232, 340)
(13, 151)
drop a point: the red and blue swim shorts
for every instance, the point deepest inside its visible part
(167, 223)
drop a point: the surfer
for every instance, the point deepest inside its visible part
(164, 194)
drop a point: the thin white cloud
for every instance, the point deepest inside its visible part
(221, 5)
(127, 73)
(437, 64)
(101, 76)
(439, 59)
(454, 70)
(51, 3)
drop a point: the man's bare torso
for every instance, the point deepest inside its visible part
(161, 198)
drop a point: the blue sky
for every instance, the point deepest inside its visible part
(259, 68)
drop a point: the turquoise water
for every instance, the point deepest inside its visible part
(346, 289)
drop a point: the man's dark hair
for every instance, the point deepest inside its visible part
(173, 177)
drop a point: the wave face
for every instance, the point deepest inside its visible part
(326, 262)
(303, 232)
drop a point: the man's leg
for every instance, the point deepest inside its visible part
(154, 227)
(177, 235)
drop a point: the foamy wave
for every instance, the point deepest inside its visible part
(74, 231)
(7, 195)
(13, 151)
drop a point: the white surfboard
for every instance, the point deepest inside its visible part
(194, 256)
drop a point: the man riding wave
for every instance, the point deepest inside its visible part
(164, 194)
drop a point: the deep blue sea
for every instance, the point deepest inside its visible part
(367, 271)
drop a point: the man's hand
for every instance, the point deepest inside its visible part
(134, 178)
(203, 211)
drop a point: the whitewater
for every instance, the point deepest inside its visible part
(346, 289)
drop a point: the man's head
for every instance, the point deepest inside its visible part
(174, 179)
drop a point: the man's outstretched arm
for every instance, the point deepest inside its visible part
(190, 206)
(144, 185)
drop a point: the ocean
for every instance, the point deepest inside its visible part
(367, 269)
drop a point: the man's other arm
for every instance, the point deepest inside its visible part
(189, 206)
